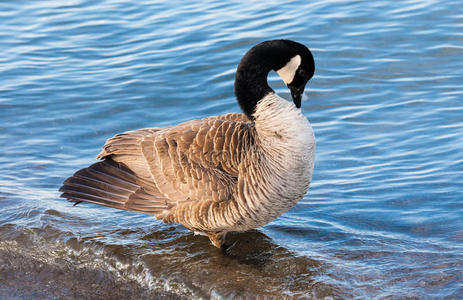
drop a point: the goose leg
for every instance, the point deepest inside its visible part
(227, 248)
(217, 238)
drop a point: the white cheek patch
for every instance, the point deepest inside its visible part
(289, 70)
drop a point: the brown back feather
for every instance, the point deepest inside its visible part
(154, 169)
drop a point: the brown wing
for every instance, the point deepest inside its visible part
(194, 161)
(113, 184)
(237, 117)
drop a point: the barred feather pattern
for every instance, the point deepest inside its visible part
(214, 175)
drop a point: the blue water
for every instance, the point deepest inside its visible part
(384, 214)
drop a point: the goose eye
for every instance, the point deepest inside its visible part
(302, 73)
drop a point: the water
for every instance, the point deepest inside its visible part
(384, 214)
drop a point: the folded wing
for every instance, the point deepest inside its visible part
(152, 170)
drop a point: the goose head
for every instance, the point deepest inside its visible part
(297, 70)
(292, 61)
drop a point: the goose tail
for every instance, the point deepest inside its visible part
(112, 184)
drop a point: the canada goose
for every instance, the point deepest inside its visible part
(232, 172)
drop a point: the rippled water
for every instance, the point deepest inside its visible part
(383, 217)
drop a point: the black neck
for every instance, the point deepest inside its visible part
(251, 83)
(251, 76)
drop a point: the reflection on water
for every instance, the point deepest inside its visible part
(382, 219)
(192, 268)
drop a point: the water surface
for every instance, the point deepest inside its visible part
(384, 214)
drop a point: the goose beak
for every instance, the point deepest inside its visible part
(296, 94)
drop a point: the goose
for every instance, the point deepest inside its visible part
(220, 174)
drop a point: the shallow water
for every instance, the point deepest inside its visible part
(384, 214)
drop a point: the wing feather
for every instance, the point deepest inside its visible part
(154, 169)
